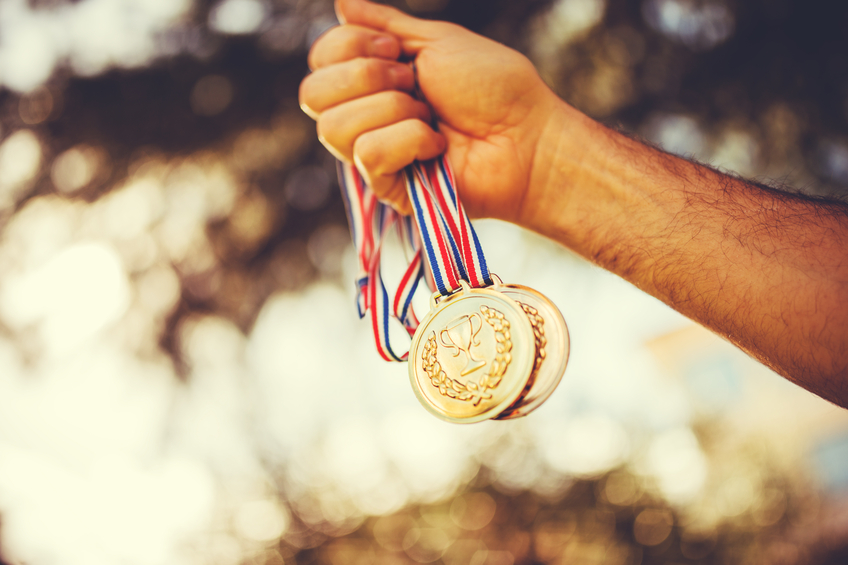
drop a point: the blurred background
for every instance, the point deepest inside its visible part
(184, 378)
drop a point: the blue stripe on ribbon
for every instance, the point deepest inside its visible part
(463, 222)
(484, 269)
(408, 302)
(457, 257)
(425, 236)
(385, 316)
(441, 162)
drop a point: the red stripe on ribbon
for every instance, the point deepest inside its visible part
(446, 258)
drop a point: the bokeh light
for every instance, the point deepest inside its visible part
(184, 377)
(699, 25)
(238, 16)
(20, 159)
(211, 95)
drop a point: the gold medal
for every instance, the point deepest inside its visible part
(553, 346)
(473, 355)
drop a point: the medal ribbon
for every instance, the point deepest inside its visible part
(366, 216)
(445, 237)
(450, 241)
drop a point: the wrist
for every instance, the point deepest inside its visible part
(564, 177)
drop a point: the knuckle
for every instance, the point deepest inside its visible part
(338, 44)
(321, 45)
(368, 72)
(392, 103)
(418, 128)
(361, 70)
(399, 102)
(401, 106)
(350, 42)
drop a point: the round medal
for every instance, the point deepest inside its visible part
(553, 346)
(472, 355)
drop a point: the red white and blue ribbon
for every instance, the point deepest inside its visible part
(444, 247)
(437, 246)
(360, 204)
(433, 186)
(370, 223)
(402, 304)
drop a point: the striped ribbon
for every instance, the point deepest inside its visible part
(359, 204)
(436, 245)
(455, 251)
(367, 217)
(444, 237)
(402, 305)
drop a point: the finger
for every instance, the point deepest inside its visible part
(382, 153)
(346, 42)
(329, 86)
(411, 31)
(396, 196)
(339, 126)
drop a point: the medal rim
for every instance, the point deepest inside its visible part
(542, 388)
(518, 388)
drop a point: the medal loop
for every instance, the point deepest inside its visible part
(437, 296)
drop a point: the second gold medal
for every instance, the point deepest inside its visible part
(472, 355)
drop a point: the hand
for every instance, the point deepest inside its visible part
(491, 107)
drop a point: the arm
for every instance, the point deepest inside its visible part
(766, 270)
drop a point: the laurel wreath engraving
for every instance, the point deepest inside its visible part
(473, 392)
(538, 323)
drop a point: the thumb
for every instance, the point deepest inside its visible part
(412, 32)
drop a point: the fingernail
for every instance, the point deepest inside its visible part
(382, 46)
(360, 166)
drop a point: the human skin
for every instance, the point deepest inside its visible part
(765, 269)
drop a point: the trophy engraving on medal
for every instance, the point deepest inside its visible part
(461, 336)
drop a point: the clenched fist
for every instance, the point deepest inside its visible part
(491, 110)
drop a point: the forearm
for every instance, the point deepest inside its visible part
(767, 270)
